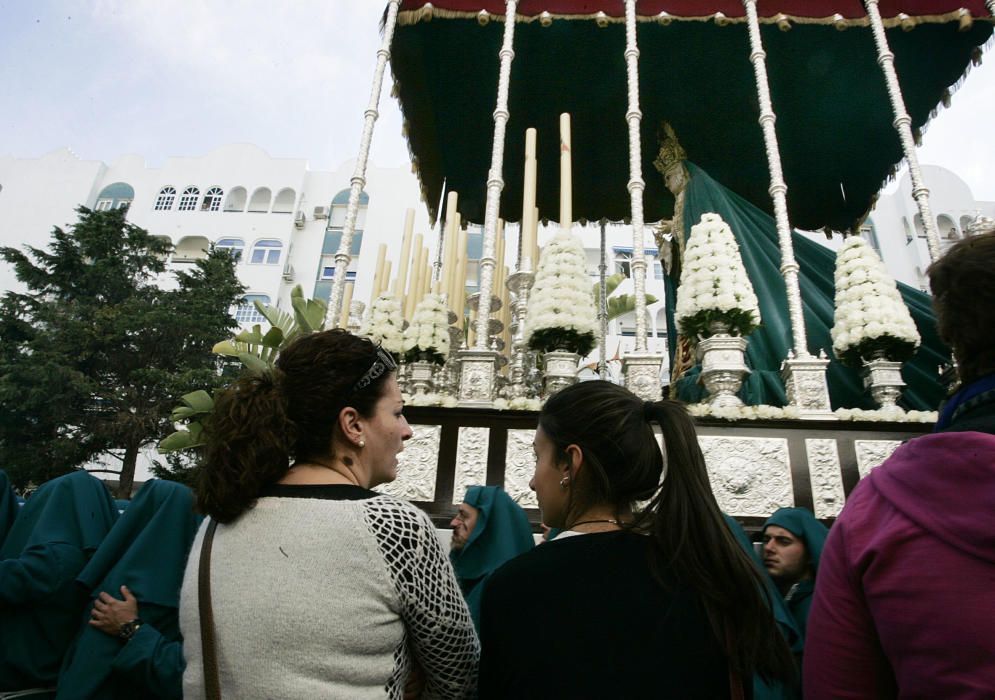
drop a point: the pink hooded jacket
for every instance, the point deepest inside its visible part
(905, 598)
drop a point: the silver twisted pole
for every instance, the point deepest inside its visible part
(495, 183)
(358, 181)
(903, 124)
(603, 307)
(990, 4)
(636, 183)
(778, 189)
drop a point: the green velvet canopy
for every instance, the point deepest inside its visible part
(834, 118)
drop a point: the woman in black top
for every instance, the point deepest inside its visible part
(662, 603)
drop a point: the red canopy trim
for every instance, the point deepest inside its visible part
(846, 13)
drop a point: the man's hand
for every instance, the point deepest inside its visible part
(109, 613)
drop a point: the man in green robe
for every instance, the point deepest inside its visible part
(53, 537)
(793, 541)
(488, 530)
(132, 647)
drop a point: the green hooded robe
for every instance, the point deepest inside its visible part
(55, 533)
(147, 552)
(502, 532)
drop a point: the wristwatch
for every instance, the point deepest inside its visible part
(129, 628)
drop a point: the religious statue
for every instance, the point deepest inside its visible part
(670, 236)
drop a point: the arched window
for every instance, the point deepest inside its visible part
(234, 245)
(965, 221)
(246, 312)
(164, 202)
(947, 228)
(115, 196)
(260, 200)
(190, 248)
(236, 199)
(920, 229)
(869, 234)
(284, 202)
(212, 200)
(908, 230)
(266, 252)
(188, 200)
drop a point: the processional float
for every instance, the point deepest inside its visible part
(801, 109)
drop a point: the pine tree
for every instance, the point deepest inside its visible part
(95, 353)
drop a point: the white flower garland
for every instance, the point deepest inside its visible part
(868, 304)
(385, 323)
(444, 400)
(561, 296)
(521, 403)
(429, 329)
(713, 279)
(893, 414)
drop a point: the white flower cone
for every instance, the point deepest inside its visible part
(714, 282)
(868, 304)
(385, 323)
(561, 296)
(429, 329)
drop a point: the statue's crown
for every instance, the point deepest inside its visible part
(671, 152)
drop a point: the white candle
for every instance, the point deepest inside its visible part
(566, 213)
(402, 273)
(378, 278)
(526, 241)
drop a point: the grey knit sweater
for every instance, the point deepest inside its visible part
(329, 592)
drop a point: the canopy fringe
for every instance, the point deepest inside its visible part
(427, 12)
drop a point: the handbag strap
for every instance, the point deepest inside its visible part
(212, 680)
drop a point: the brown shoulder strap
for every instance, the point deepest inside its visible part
(212, 680)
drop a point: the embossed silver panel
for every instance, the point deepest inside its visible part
(471, 460)
(749, 476)
(827, 482)
(871, 453)
(519, 468)
(416, 466)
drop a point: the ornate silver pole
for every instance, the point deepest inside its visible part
(804, 375)
(903, 124)
(479, 363)
(603, 307)
(641, 368)
(990, 4)
(342, 257)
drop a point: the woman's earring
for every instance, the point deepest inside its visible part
(564, 482)
(362, 443)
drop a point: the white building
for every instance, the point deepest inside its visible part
(285, 221)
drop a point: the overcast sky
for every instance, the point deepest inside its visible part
(160, 79)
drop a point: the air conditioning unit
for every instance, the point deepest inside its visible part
(299, 219)
(321, 212)
(288, 272)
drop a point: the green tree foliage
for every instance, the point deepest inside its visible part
(620, 304)
(94, 354)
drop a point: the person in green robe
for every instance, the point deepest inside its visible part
(132, 647)
(793, 542)
(56, 532)
(9, 506)
(763, 689)
(488, 530)
(697, 193)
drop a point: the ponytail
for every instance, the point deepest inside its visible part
(695, 545)
(248, 447)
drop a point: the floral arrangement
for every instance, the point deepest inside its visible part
(520, 403)
(762, 412)
(893, 413)
(714, 285)
(428, 333)
(871, 319)
(444, 400)
(759, 412)
(561, 313)
(385, 324)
